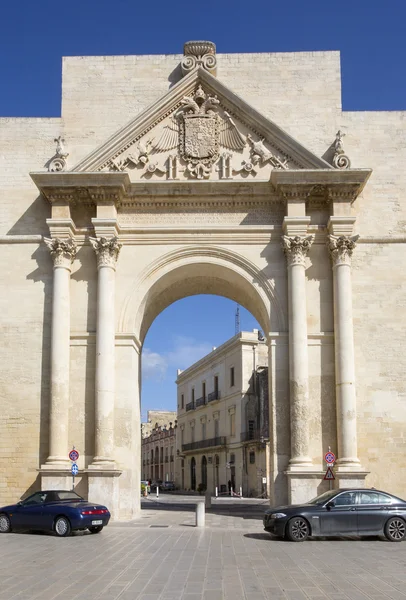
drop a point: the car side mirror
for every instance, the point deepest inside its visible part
(330, 504)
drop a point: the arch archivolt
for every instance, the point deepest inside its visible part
(221, 271)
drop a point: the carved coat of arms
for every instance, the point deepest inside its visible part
(198, 131)
(202, 132)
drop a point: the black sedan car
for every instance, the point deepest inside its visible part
(340, 512)
(60, 511)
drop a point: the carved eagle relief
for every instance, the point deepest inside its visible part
(198, 130)
(201, 133)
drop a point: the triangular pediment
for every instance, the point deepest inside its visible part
(200, 130)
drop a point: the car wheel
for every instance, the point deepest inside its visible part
(395, 529)
(95, 529)
(297, 530)
(62, 527)
(5, 525)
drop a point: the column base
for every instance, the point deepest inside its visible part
(54, 477)
(349, 476)
(103, 485)
(302, 463)
(56, 462)
(305, 484)
(102, 462)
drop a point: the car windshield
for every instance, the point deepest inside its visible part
(323, 498)
(72, 496)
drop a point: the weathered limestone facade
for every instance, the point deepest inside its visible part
(203, 173)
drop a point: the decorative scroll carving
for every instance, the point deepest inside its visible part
(340, 159)
(107, 251)
(296, 249)
(58, 162)
(246, 168)
(140, 156)
(341, 248)
(63, 252)
(199, 54)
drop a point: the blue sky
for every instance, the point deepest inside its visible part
(35, 35)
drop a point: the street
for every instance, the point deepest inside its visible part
(162, 556)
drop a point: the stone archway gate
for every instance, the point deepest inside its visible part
(200, 193)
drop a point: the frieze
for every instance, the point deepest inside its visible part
(159, 216)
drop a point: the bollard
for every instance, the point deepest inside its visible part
(200, 514)
(217, 492)
(240, 492)
(207, 499)
(157, 491)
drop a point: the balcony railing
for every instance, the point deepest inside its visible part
(249, 436)
(217, 441)
(200, 402)
(190, 406)
(213, 396)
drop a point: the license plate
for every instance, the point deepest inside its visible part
(97, 522)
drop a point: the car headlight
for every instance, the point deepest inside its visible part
(277, 515)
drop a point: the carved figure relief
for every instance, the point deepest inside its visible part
(198, 136)
(58, 161)
(340, 159)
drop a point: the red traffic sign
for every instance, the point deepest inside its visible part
(330, 457)
(74, 455)
(329, 476)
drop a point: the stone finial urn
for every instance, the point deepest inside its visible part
(199, 54)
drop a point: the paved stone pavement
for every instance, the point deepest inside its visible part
(162, 556)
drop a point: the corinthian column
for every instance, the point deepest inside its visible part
(107, 251)
(63, 253)
(341, 249)
(296, 249)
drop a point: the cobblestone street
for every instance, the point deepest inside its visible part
(162, 556)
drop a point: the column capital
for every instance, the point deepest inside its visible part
(63, 252)
(107, 251)
(341, 248)
(296, 248)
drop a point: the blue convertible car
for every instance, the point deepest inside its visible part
(60, 511)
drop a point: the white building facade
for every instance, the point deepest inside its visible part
(223, 419)
(202, 173)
